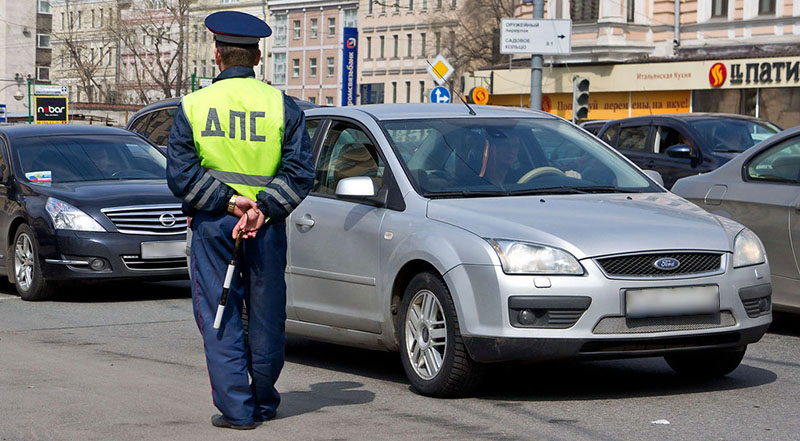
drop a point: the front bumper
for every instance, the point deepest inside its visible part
(68, 254)
(487, 301)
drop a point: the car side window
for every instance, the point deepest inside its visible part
(780, 163)
(633, 138)
(140, 124)
(667, 137)
(160, 126)
(609, 134)
(347, 152)
(311, 127)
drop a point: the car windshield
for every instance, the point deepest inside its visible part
(88, 158)
(733, 135)
(509, 156)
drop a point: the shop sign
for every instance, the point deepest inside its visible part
(717, 74)
(765, 73)
(615, 105)
(51, 109)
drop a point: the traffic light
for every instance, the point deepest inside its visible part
(580, 98)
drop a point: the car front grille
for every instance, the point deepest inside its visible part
(624, 325)
(642, 265)
(147, 219)
(136, 263)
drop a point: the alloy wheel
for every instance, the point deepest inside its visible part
(426, 334)
(23, 261)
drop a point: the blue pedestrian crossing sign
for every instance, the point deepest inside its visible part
(440, 94)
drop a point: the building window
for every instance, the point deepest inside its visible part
(583, 10)
(410, 5)
(328, 100)
(331, 66)
(93, 22)
(383, 7)
(422, 91)
(370, 7)
(43, 41)
(42, 73)
(331, 27)
(396, 6)
(314, 28)
(452, 42)
(394, 91)
(631, 11)
(296, 68)
(408, 52)
(279, 68)
(719, 8)
(766, 7)
(312, 100)
(312, 67)
(438, 4)
(422, 50)
(351, 18)
(279, 39)
(62, 20)
(437, 38)
(424, 5)
(101, 17)
(382, 47)
(408, 91)
(44, 6)
(454, 4)
(396, 45)
(297, 29)
(369, 48)
(80, 17)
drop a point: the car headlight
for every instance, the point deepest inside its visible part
(67, 217)
(747, 250)
(528, 258)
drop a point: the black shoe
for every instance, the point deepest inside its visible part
(220, 421)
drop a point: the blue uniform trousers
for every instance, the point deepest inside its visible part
(261, 285)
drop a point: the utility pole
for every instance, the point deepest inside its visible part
(536, 63)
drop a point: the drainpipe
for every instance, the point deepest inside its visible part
(677, 41)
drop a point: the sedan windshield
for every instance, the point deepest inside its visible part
(88, 158)
(733, 135)
(509, 156)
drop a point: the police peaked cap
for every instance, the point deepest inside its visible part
(234, 27)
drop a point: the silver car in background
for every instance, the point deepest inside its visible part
(761, 189)
(460, 237)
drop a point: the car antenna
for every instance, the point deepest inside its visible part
(471, 112)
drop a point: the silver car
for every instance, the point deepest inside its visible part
(761, 189)
(460, 237)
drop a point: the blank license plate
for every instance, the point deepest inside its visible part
(660, 302)
(163, 250)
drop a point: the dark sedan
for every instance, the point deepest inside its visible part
(85, 202)
(685, 144)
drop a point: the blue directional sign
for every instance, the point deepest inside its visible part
(440, 94)
(3, 113)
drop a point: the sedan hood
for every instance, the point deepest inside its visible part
(103, 194)
(588, 225)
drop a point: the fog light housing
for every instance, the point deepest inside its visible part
(526, 317)
(97, 264)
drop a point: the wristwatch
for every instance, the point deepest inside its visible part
(232, 203)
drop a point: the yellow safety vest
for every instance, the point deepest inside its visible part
(237, 124)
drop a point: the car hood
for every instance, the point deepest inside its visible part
(102, 194)
(589, 225)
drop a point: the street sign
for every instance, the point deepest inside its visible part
(440, 94)
(51, 109)
(440, 69)
(49, 90)
(349, 66)
(479, 95)
(540, 37)
(205, 82)
(3, 113)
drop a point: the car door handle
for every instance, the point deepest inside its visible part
(305, 221)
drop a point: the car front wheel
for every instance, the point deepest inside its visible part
(432, 351)
(706, 364)
(26, 273)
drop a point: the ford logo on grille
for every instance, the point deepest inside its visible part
(667, 263)
(167, 220)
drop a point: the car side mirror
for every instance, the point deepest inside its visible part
(358, 187)
(680, 151)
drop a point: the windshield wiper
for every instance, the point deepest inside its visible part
(462, 194)
(607, 189)
(562, 189)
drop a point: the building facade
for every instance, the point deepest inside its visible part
(733, 56)
(306, 47)
(25, 50)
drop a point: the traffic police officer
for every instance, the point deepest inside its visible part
(238, 155)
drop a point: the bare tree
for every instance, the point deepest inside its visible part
(154, 35)
(86, 54)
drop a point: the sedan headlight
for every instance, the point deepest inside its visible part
(528, 258)
(747, 249)
(67, 217)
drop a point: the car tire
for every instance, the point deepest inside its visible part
(25, 271)
(432, 351)
(706, 364)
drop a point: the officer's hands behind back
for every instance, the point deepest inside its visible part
(249, 223)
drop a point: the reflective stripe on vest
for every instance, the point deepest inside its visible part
(237, 124)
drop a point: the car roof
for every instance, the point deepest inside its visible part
(427, 111)
(32, 130)
(690, 116)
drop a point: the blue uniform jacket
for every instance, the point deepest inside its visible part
(200, 192)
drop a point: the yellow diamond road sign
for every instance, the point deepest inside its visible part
(440, 69)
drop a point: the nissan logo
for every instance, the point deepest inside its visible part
(167, 220)
(667, 263)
